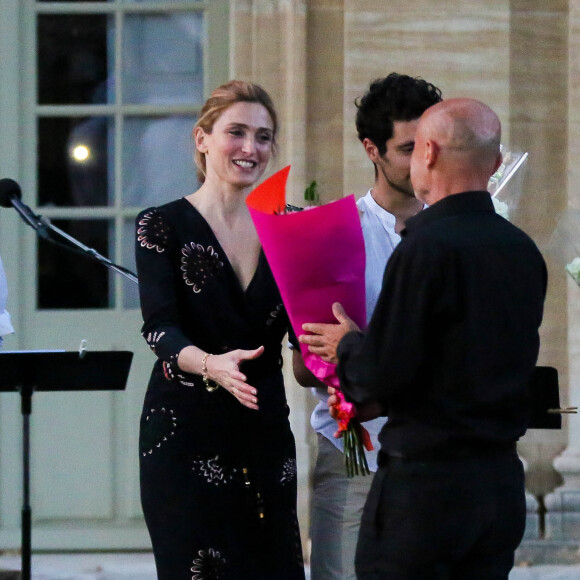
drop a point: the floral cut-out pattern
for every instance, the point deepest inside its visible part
(152, 231)
(173, 373)
(158, 428)
(213, 471)
(153, 338)
(198, 264)
(288, 471)
(209, 565)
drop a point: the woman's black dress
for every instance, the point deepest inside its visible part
(218, 480)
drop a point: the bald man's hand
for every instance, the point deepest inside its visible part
(324, 338)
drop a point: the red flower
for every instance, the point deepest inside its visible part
(356, 437)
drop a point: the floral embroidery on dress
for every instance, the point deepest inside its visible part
(183, 381)
(153, 338)
(288, 471)
(213, 471)
(198, 264)
(209, 565)
(159, 426)
(152, 231)
(172, 372)
(170, 368)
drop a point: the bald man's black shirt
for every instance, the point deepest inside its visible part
(454, 336)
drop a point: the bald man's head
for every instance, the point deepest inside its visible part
(458, 143)
(463, 125)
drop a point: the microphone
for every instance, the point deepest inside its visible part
(10, 194)
(8, 190)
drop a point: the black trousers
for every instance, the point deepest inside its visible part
(452, 519)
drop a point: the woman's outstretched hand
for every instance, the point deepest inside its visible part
(224, 369)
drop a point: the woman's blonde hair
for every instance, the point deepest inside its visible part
(221, 99)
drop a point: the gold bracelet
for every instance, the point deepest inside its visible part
(209, 384)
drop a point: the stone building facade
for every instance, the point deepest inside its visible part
(522, 57)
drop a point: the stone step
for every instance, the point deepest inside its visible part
(140, 566)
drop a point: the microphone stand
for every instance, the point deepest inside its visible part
(45, 229)
(91, 252)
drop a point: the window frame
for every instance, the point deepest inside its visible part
(215, 72)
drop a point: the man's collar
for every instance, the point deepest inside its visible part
(457, 203)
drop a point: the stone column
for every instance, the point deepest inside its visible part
(538, 112)
(268, 46)
(563, 505)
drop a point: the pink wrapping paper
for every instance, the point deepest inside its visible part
(317, 257)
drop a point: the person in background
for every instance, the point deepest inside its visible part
(386, 121)
(448, 354)
(5, 322)
(218, 464)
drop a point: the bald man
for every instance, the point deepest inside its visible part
(447, 354)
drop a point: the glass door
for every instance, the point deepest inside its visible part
(110, 93)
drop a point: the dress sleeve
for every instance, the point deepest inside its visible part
(158, 271)
(292, 338)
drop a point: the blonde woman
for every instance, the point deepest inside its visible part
(218, 468)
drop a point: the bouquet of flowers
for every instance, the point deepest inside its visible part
(317, 258)
(505, 185)
(565, 243)
(573, 268)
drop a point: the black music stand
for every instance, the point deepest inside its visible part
(545, 393)
(29, 371)
(545, 396)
